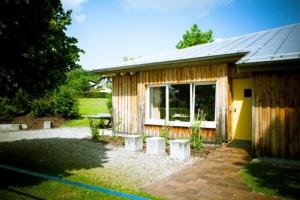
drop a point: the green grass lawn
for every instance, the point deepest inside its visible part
(47, 189)
(92, 106)
(88, 106)
(272, 181)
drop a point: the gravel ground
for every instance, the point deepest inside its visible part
(74, 132)
(142, 167)
(62, 149)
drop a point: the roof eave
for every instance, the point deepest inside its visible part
(226, 58)
(273, 65)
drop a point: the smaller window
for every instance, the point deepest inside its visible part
(205, 101)
(179, 102)
(158, 102)
(247, 93)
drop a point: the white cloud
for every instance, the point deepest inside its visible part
(170, 5)
(80, 18)
(73, 4)
(77, 7)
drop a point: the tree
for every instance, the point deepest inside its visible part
(195, 36)
(78, 79)
(35, 51)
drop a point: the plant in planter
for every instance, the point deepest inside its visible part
(145, 137)
(164, 132)
(196, 139)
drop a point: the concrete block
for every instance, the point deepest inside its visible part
(155, 145)
(10, 127)
(48, 124)
(24, 126)
(106, 131)
(133, 142)
(180, 149)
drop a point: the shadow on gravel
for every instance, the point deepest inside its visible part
(54, 156)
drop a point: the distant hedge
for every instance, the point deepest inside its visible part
(92, 94)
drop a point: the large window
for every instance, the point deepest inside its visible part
(180, 104)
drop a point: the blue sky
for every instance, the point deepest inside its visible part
(109, 30)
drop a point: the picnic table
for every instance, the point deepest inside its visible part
(103, 116)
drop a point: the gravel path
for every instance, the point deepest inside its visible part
(144, 168)
(62, 148)
(74, 132)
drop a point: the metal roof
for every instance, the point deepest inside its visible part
(273, 45)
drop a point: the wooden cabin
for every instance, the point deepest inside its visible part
(246, 87)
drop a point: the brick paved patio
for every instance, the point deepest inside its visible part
(216, 177)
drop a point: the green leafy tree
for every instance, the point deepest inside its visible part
(194, 36)
(35, 51)
(78, 79)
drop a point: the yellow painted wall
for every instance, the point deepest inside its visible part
(241, 109)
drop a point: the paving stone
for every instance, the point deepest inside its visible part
(215, 177)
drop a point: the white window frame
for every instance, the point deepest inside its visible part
(204, 124)
(147, 113)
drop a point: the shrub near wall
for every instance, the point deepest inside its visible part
(92, 94)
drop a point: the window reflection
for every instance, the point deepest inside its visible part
(158, 102)
(205, 101)
(179, 102)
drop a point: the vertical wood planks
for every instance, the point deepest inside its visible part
(277, 114)
(129, 97)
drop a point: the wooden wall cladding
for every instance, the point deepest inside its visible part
(209, 135)
(129, 96)
(276, 114)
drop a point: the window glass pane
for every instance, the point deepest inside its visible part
(205, 101)
(179, 102)
(158, 102)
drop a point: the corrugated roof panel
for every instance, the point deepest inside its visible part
(215, 49)
(282, 43)
(238, 44)
(204, 51)
(265, 38)
(200, 51)
(258, 45)
(292, 43)
(274, 44)
(253, 39)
